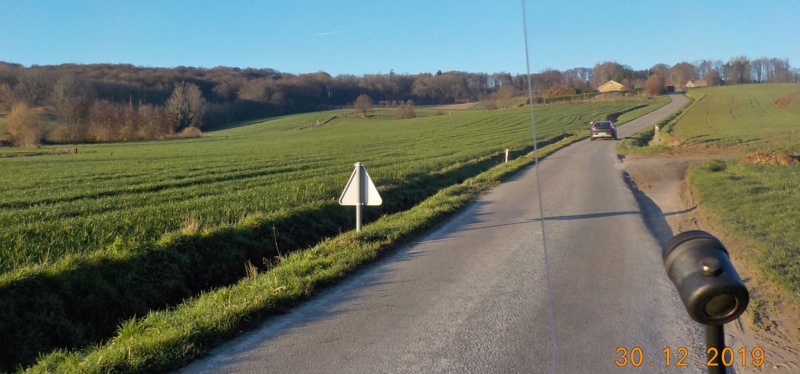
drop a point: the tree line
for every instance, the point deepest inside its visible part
(121, 102)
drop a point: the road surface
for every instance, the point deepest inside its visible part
(472, 296)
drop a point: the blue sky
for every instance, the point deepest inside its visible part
(409, 36)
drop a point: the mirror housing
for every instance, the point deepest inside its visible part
(699, 266)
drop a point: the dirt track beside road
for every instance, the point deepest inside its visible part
(770, 323)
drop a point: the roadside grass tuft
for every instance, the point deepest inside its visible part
(715, 165)
(641, 143)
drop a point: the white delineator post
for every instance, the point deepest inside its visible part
(360, 191)
(657, 136)
(506, 155)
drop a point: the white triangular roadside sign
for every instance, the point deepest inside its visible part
(350, 193)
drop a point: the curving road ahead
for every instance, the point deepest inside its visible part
(471, 297)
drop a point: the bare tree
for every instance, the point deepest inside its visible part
(363, 104)
(681, 73)
(105, 121)
(654, 84)
(154, 121)
(24, 126)
(505, 93)
(578, 78)
(603, 72)
(253, 90)
(33, 86)
(548, 80)
(725, 73)
(702, 67)
(186, 106)
(627, 85)
(6, 97)
(759, 66)
(780, 71)
(405, 110)
(227, 89)
(490, 104)
(73, 113)
(63, 88)
(713, 78)
(739, 70)
(660, 69)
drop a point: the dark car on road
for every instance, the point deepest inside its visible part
(602, 129)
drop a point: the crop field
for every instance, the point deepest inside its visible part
(762, 117)
(93, 238)
(55, 205)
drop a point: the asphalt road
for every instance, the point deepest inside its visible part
(471, 297)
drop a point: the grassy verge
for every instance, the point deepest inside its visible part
(165, 340)
(760, 204)
(642, 142)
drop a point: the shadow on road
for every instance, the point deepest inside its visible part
(654, 217)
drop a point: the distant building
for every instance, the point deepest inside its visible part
(610, 86)
(697, 83)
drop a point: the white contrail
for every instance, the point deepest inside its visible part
(353, 29)
(331, 32)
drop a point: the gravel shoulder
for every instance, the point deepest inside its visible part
(659, 184)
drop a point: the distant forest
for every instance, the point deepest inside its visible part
(119, 102)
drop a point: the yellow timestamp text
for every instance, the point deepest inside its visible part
(636, 357)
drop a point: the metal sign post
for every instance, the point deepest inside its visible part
(360, 191)
(360, 194)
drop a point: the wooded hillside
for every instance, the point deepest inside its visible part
(73, 103)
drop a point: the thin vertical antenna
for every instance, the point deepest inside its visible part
(541, 206)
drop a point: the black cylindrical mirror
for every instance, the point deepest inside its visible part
(699, 266)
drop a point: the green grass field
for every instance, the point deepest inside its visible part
(116, 231)
(755, 117)
(757, 203)
(55, 205)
